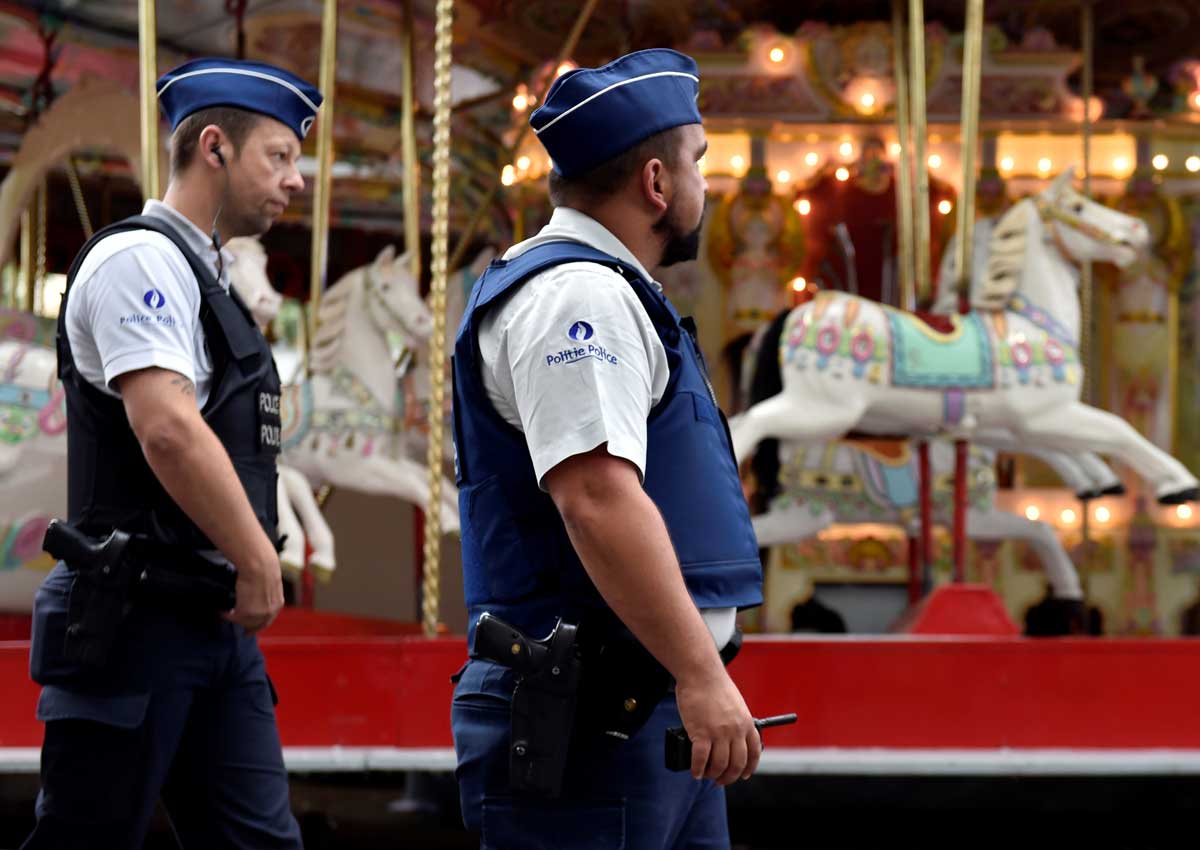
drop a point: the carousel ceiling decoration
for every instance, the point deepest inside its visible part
(766, 63)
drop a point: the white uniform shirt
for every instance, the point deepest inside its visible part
(572, 360)
(135, 304)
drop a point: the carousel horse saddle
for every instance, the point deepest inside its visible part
(928, 357)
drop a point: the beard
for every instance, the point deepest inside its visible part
(682, 245)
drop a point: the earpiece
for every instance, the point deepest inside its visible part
(216, 149)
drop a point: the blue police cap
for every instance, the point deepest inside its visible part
(591, 115)
(255, 86)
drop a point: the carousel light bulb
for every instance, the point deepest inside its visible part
(1006, 163)
(1121, 164)
(804, 206)
(867, 100)
(1160, 162)
(935, 160)
(737, 162)
(1184, 512)
(842, 174)
(1192, 164)
(799, 284)
(776, 55)
(1195, 100)
(1044, 165)
(894, 149)
(944, 207)
(523, 163)
(1032, 513)
(508, 175)
(1103, 514)
(784, 176)
(564, 67)
(520, 102)
(811, 159)
(846, 149)
(1067, 516)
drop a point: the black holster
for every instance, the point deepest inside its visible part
(543, 715)
(113, 573)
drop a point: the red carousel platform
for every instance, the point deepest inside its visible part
(360, 695)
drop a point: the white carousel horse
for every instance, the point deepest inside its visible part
(855, 484)
(416, 390)
(849, 363)
(1085, 473)
(862, 482)
(342, 426)
(300, 518)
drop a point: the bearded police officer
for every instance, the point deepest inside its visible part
(599, 493)
(172, 400)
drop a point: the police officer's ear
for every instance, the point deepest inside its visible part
(655, 184)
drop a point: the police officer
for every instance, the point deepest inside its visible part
(596, 472)
(172, 400)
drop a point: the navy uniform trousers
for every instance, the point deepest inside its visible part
(186, 713)
(617, 795)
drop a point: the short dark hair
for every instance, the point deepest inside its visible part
(236, 123)
(606, 179)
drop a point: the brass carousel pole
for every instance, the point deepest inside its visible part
(408, 132)
(22, 295)
(904, 192)
(971, 72)
(921, 262)
(1086, 285)
(147, 75)
(443, 43)
(916, 71)
(323, 185)
(1086, 330)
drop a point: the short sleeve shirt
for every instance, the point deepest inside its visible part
(571, 358)
(573, 361)
(135, 304)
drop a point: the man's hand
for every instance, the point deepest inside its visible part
(725, 745)
(259, 595)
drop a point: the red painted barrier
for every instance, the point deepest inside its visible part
(900, 692)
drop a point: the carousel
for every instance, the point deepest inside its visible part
(948, 292)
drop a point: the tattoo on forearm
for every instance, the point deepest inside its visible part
(185, 386)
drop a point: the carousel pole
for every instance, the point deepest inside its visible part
(318, 258)
(904, 246)
(1086, 286)
(971, 73)
(28, 275)
(443, 44)
(904, 174)
(919, 212)
(568, 47)
(408, 133)
(147, 75)
(925, 499)
(324, 183)
(916, 70)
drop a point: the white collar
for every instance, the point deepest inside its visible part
(571, 224)
(196, 239)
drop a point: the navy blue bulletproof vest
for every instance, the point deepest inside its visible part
(518, 562)
(109, 483)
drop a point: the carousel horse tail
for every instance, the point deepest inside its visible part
(765, 382)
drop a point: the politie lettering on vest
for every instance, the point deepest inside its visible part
(145, 629)
(534, 434)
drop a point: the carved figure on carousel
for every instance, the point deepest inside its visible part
(1011, 365)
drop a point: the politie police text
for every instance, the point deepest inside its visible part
(572, 355)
